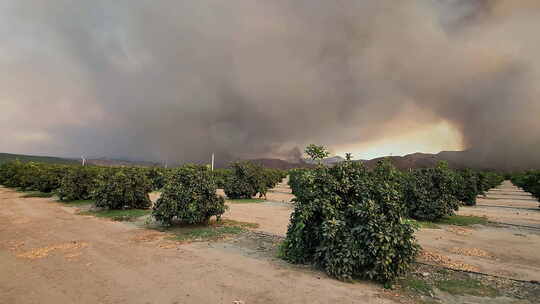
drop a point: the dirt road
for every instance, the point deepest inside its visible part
(48, 254)
(507, 204)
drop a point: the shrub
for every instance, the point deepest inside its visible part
(49, 177)
(189, 196)
(529, 181)
(31, 176)
(493, 180)
(7, 172)
(21, 175)
(245, 181)
(78, 183)
(468, 187)
(430, 193)
(221, 176)
(123, 189)
(482, 183)
(350, 222)
(272, 177)
(296, 179)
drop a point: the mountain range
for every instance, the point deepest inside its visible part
(455, 159)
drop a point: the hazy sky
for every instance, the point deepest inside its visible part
(178, 80)
(427, 139)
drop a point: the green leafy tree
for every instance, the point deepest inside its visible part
(157, 177)
(317, 153)
(126, 188)
(189, 196)
(350, 222)
(78, 183)
(430, 193)
(528, 181)
(221, 176)
(245, 180)
(469, 187)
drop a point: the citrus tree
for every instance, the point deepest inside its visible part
(126, 188)
(189, 196)
(351, 222)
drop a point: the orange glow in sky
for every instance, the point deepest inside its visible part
(439, 137)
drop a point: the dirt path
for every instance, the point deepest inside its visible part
(507, 204)
(271, 217)
(50, 255)
(504, 250)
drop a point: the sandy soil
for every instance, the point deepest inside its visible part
(508, 252)
(48, 254)
(505, 250)
(507, 204)
(271, 217)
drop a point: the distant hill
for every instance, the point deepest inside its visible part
(275, 163)
(6, 157)
(455, 159)
(411, 161)
(107, 162)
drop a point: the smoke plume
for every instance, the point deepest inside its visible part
(178, 80)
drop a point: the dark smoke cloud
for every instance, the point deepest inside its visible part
(177, 80)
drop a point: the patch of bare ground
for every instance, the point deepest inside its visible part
(507, 204)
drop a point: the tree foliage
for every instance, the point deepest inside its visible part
(157, 177)
(78, 183)
(32, 176)
(350, 222)
(468, 187)
(221, 176)
(189, 196)
(126, 188)
(528, 181)
(317, 153)
(245, 181)
(430, 193)
(296, 180)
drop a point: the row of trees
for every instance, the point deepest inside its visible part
(352, 222)
(431, 193)
(528, 181)
(246, 180)
(188, 193)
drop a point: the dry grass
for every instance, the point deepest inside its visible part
(43, 252)
(472, 252)
(460, 230)
(439, 259)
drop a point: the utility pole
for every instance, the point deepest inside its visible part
(213, 158)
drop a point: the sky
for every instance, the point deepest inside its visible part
(429, 139)
(177, 80)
